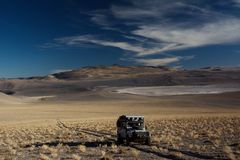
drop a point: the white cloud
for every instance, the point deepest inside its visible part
(158, 27)
(60, 70)
(220, 32)
(49, 45)
(236, 1)
(136, 48)
(158, 62)
(152, 19)
(161, 61)
(132, 13)
(100, 19)
(75, 40)
(144, 10)
(168, 37)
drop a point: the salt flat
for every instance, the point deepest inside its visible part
(181, 90)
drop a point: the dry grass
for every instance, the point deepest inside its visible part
(216, 137)
(135, 153)
(82, 148)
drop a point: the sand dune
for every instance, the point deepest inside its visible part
(6, 99)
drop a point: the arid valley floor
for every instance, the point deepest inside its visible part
(73, 115)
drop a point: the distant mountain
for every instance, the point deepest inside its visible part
(108, 72)
(89, 78)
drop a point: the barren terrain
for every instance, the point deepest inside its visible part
(72, 115)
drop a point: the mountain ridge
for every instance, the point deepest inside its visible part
(90, 78)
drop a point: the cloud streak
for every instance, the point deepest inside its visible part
(158, 62)
(220, 32)
(158, 27)
(136, 48)
(60, 70)
(162, 61)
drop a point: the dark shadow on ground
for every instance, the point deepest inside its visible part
(147, 149)
(71, 143)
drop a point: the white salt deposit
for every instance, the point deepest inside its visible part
(180, 90)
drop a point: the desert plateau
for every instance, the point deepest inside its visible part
(72, 115)
(119, 79)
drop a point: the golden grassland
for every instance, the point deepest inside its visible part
(182, 127)
(196, 137)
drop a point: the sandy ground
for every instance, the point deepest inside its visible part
(107, 104)
(82, 126)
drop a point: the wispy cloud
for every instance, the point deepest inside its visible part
(100, 19)
(236, 1)
(162, 61)
(49, 45)
(75, 40)
(220, 32)
(158, 62)
(60, 70)
(200, 26)
(237, 51)
(164, 11)
(158, 27)
(138, 49)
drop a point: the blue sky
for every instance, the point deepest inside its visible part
(45, 36)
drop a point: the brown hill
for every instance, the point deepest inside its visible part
(106, 72)
(90, 78)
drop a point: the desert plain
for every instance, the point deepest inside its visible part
(72, 115)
